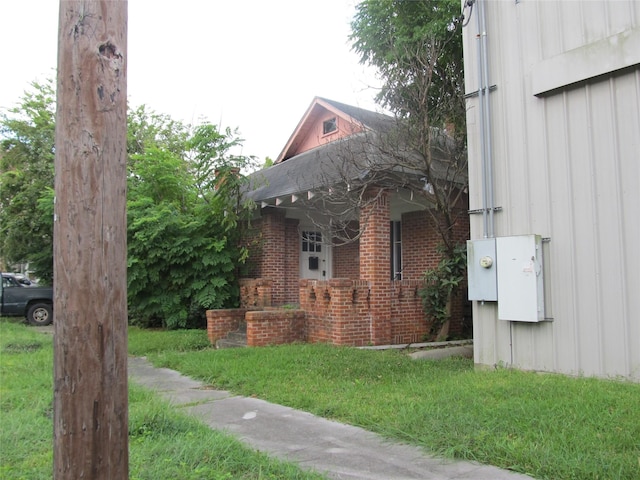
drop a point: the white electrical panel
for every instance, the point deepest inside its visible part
(481, 270)
(520, 278)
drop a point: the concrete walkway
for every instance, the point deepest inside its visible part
(339, 451)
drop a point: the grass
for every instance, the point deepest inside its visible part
(547, 426)
(163, 444)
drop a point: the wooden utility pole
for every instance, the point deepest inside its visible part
(90, 232)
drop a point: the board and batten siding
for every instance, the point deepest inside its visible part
(565, 134)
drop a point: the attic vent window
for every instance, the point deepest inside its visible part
(329, 126)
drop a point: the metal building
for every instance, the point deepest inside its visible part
(553, 116)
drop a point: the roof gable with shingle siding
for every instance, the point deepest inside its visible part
(310, 132)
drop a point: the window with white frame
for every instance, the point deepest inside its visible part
(396, 250)
(311, 241)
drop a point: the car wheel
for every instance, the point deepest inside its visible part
(40, 314)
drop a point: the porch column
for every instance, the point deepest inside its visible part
(272, 260)
(375, 263)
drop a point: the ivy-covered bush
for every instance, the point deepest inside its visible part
(184, 224)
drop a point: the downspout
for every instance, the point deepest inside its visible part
(481, 120)
(484, 119)
(487, 113)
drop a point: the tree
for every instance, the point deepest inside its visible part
(26, 180)
(184, 222)
(147, 128)
(185, 219)
(416, 47)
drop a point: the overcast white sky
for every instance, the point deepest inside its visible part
(251, 64)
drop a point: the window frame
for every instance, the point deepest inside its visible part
(311, 241)
(395, 246)
(326, 124)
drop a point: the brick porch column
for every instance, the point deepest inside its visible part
(375, 264)
(272, 259)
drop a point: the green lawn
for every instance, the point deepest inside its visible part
(163, 444)
(547, 426)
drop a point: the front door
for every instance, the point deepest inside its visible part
(315, 258)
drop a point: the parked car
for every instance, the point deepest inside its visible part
(20, 299)
(24, 280)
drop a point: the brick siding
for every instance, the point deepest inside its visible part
(375, 263)
(275, 327)
(221, 322)
(360, 305)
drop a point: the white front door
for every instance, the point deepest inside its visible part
(315, 255)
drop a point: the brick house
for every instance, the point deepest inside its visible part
(344, 239)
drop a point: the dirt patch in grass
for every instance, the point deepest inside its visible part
(20, 347)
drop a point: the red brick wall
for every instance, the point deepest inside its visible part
(368, 308)
(346, 260)
(275, 327)
(221, 322)
(274, 252)
(375, 263)
(275, 255)
(420, 239)
(315, 303)
(408, 321)
(292, 262)
(337, 311)
(255, 292)
(254, 242)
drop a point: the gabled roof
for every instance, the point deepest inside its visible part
(309, 170)
(357, 158)
(359, 118)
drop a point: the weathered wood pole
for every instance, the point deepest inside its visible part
(90, 271)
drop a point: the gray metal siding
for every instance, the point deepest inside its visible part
(567, 167)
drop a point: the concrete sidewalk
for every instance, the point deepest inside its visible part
(339, 451)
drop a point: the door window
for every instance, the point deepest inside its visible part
(311, 242)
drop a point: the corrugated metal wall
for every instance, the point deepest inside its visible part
(566, 166)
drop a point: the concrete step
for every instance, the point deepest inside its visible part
(237, 337)
(233, 340)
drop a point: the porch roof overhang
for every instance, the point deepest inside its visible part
(342, 165)
(315, 169)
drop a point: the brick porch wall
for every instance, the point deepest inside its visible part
(221, 322)
(408, 321)
(336, 311)
(339, 311)
(255, 292)
(420, 238)
(275, 327)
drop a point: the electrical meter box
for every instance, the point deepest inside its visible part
(481, 270)
(520, 278)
